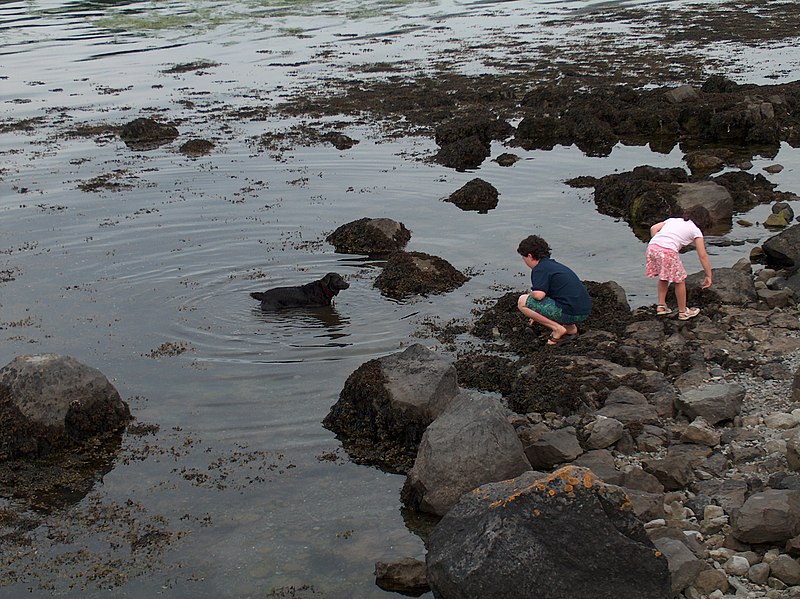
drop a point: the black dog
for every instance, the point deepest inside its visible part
(311, 295)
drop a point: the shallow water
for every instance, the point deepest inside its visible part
(169, 257)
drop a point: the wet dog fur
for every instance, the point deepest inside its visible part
(311, 295)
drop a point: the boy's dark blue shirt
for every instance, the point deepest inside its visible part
(561, 285)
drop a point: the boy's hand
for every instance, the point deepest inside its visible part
(706, 282)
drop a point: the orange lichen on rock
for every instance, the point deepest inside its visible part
(564, 480)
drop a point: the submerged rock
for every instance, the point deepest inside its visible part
(147, 134)
(417, 273)
(476, 195)
(196, 147)
(370, 236)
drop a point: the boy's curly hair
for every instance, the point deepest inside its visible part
(699, 216)
(535, 246)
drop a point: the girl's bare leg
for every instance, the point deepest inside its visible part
(663, 286)
(680, 295)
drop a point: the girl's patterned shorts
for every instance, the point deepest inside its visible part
(549, 308)
(665, 265)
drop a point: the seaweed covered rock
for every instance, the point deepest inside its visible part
(469, 444)
(475, 195)
(50, 402)
(564, 536)
(647, 195)
(387, 403)
(417, 273)
(147, 134)
(370, 236)
(196, 147)
(465, 141)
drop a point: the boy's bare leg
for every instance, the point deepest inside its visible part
(558, 330)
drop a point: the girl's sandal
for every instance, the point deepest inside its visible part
(662, 310)
(688, 313)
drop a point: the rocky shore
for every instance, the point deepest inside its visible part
(697, 423)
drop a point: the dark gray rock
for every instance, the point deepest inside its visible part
(768, 517)
(601, 463)
(566, 536)
(673, 472)
(629, 407)
(715, 403)
(730, 286)
(783, 250)
(387, 403)
(50, 402)
(604, 432)
(471, 443)
(713, 197)
(684, 566)
(786, 569)
(547, 448)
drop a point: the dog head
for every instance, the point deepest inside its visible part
(334, 282)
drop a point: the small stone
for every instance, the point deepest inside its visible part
(737, 566)
(773, 168)
(758, 573)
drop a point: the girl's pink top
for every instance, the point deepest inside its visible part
(676, 234)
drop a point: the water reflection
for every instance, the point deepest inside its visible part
(334, 326)
(60, 480)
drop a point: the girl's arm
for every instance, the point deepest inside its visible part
(700, 246)
(656, 228)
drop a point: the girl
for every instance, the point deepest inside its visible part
(663, 261)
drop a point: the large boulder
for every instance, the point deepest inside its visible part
(730, 286)
(713, 197)
(783, 250)
(387, 403)
(471, 443)
(51, 402)
(370, 236)
(564, 536)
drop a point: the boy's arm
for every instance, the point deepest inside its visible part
(537, 295)
(702, 254)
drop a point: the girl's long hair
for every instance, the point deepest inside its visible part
(699, 216)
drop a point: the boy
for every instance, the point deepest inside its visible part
(558, 299)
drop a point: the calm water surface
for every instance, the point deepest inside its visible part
(170, 256)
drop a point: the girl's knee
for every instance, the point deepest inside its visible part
(522, 301)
